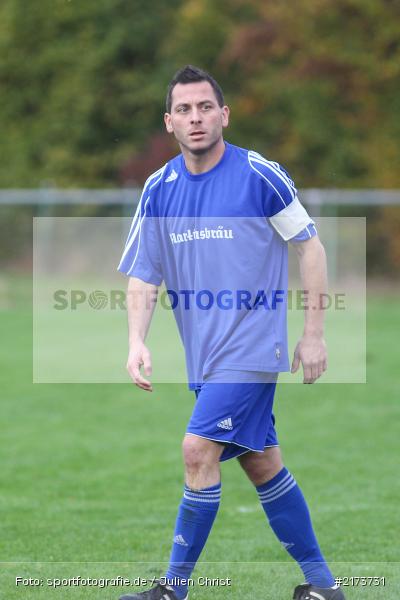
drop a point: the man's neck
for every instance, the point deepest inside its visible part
(201, 163)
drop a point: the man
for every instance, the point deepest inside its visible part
(214, 223)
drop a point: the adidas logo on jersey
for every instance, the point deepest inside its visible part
(171, 177)
(225, 424)
(179, 539)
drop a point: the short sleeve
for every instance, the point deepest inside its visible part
(280, 201)
(140, 257)
(293, 222)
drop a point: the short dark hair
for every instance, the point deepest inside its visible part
(191, 74)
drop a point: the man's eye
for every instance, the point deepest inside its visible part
(207, 107)
(182, 109)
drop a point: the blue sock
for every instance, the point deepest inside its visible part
(289, 517)
(196, 516)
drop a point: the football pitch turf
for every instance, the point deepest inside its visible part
(91, 478)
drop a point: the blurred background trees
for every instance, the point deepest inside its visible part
(313, 85)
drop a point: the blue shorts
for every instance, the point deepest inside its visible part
(238, 414)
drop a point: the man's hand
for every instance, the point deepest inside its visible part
(311, 353)
(139, 355)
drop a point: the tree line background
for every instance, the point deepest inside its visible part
(312, 84)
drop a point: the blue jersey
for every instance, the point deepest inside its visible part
(219, 242)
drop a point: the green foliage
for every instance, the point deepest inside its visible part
(81, 88)
(314, 86)
(320, 86)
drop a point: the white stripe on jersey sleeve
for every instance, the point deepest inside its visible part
(157, 176)
(137, 220)
(274, 167)
(291, 220)
(138, 245)
(132, 238)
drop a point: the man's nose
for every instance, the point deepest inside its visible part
(196, 116)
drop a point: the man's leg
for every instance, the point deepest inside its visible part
(287, 512)
(196, 516)
(197, 510)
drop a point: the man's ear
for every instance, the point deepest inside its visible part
(168, 123)
(225, 116)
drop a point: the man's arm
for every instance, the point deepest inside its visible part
(311, 349)
(141, 301)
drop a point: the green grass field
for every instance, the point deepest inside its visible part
(91, 477)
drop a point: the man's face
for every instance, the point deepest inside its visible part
(196, 119)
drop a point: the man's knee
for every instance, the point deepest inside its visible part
(199, 452)
(262, 466)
